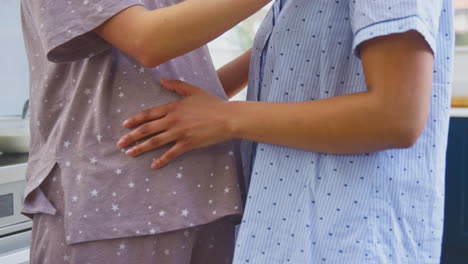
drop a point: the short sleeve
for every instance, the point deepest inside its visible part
(65, 28)
(375, 18)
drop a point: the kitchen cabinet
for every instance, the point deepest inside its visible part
(455, 243)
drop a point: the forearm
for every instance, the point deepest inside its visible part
(355, 123)
(392, 113)
(154, 37)
(234, 76)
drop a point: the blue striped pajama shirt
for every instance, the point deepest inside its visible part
(306, 207)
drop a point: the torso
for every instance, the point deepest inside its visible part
(77, 110)
(308, 207)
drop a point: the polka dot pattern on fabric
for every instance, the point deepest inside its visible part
(307, 207)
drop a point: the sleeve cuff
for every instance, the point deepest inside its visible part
(80, 41)
(384, 28)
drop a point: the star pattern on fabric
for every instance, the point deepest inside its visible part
(115, 207)
(93, 161)
(94, 193)
(78, 177)
(185, 212)
(91, 115)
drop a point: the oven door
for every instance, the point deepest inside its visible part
(12, 182)
(15, 228)
(11, 196)
(14, 248)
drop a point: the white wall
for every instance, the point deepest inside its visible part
(221, 56)
(235, 42)
(14, 78)
(460, 76)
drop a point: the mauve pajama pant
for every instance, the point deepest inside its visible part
(207, 244)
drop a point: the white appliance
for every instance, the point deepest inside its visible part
(15, 229)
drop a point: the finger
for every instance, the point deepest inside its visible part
(174, 152)
(152, 143)
(182, 88)
(147, 115)
(142, 131)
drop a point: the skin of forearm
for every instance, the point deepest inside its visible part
(234, 75)
(349, 124)
(172, 31)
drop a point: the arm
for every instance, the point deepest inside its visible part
(391, 114)
(154, 37)
(234, 76)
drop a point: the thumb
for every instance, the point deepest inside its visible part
(182, 88)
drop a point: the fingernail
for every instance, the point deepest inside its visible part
(131, 152)
(155, 164)
(121, 143)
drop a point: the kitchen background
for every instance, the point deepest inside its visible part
(15, 229)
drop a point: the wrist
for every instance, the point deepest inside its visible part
(233, 118)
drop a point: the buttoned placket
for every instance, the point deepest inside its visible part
(277, 7)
